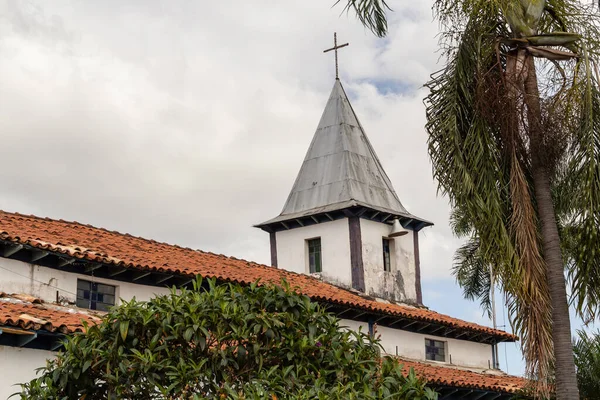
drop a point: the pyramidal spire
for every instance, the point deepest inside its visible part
(340, 170)
(341, 165)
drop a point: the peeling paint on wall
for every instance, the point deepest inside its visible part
(397, 284)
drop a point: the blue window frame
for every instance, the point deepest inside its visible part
(95, 296)
(435, 350)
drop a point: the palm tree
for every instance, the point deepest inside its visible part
(514, 137)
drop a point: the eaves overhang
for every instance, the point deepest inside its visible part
(341, 210)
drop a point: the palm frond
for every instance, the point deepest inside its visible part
(584, 176)
(587, 359)
(472, 155)
(472, 273)
(371, 13)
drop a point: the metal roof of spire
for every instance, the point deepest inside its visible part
(341, 169)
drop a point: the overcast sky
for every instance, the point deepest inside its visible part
(187, 121)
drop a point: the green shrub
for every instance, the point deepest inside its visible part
(223, 341)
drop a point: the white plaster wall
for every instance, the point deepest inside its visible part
(399, 283)
(412, 345)
(19, 366)
(354, 325)
(42, 282)
(292, 253)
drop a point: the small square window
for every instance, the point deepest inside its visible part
(314, 255)
(95, 296)
(435, 350)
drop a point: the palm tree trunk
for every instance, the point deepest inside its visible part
(566, 379)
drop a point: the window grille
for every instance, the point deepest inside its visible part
(435, 350)
(95, 296)
(314, 255)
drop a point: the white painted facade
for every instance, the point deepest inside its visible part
(292, 250)
(396, 285)
(19, 365)
(399, 283)
(44, 283)
(411, 345)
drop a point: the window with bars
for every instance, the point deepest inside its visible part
(387, 257)
(435, 350)
(95, 296)
(314, 255)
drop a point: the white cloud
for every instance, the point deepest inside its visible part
(188, 123)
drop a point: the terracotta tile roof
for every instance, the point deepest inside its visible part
(103, 246)
(29, 313)
(492, 380)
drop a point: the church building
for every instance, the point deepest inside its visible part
(343, 221)
(343, 238)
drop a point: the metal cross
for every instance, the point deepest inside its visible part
(335, 48)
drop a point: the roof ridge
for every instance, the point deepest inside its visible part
(249, 262)
(60, 220)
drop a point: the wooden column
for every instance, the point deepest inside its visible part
(356, 260)
(417, 268)
(273, 240)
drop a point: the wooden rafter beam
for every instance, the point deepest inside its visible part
(480, 396)
(339, 315)
(461, 335)
(92, 267)
(37, 255)
(361, 212)
(56, 344)
(381, 318)
(11, 249)
(164, 278)
(329, 216)
(139, 275)
(410, 324)
(23, 340)
(62, 262)
(438, 329)
(494, 396)
(448, 331)
(360, 314)
(186, 282)
(116, 271)
(448, 394)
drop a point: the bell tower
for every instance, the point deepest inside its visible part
(343, 221)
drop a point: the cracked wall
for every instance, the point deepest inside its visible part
(399, 283)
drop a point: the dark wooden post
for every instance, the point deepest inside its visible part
(417, 268)
(356, 260)
(273, 239)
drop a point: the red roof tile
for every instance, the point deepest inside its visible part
(492, 380)
(100, 245)
(35, 315)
